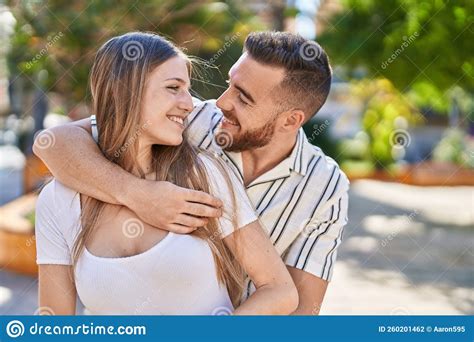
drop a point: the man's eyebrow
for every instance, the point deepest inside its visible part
(243, 91)
(246, 93)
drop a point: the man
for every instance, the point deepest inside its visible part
(279, 83)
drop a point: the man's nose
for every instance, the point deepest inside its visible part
(223, 101)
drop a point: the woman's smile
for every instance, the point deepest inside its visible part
(176, 119)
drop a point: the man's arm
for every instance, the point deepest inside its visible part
(311, 269)
(311, 291)
(75, 160)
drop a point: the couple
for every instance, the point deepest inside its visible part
(212, 207)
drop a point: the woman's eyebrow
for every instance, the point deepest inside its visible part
(176, 79)
(180, 80)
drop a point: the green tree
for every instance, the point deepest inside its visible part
(61, 37)
(424, 47)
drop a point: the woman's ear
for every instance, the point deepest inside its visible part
(293, 120)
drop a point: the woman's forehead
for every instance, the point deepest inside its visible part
(174, 68)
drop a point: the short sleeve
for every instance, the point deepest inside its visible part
(243, 209)
(315, 248)
(51, 244)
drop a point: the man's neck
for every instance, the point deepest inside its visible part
(258, 161)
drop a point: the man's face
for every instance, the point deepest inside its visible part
(249, 105)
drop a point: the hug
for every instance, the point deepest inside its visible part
(164, 204)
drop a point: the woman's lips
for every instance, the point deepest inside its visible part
(176, 119)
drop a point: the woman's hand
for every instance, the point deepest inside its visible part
(275, 294)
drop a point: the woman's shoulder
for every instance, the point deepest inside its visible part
(57, 198)
(218, 171)
(56, 192)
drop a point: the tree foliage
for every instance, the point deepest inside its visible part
(424, 47)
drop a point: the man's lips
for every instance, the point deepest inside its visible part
(229, 121)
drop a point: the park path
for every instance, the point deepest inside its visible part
(406, 250)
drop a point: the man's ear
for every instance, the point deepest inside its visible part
(293, 120)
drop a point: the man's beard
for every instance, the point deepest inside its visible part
(248, 140)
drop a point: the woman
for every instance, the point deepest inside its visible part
(120, 265)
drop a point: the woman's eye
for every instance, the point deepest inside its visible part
(174, 88)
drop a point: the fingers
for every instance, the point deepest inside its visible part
(201, 210)
(203, 198)
(180, 229)
(191, 221)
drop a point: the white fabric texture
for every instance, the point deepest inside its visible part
(174, 277)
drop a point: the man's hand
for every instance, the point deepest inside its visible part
(170, 207)
(76, 161)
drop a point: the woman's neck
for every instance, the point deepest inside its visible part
(144, 162)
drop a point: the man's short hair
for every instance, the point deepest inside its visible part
(308, 74)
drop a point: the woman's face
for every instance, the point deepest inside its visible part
(166, 103)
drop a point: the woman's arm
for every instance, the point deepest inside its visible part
(276, 293)
(57, 291)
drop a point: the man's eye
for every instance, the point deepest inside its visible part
(242, 101)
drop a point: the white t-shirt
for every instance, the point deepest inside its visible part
(174, 277)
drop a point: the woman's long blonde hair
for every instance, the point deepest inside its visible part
(117, 83)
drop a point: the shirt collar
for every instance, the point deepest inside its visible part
(297, 161)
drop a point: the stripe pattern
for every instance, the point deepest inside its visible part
(302, 203)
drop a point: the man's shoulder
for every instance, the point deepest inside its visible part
(203, 109)
(329, 168)
(202, 121)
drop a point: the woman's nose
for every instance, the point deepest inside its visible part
(186, 102)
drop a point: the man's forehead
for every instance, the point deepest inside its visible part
(247, 69)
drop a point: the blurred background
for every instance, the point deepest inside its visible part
(399, 121)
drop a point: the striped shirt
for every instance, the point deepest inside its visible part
(302, 202)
